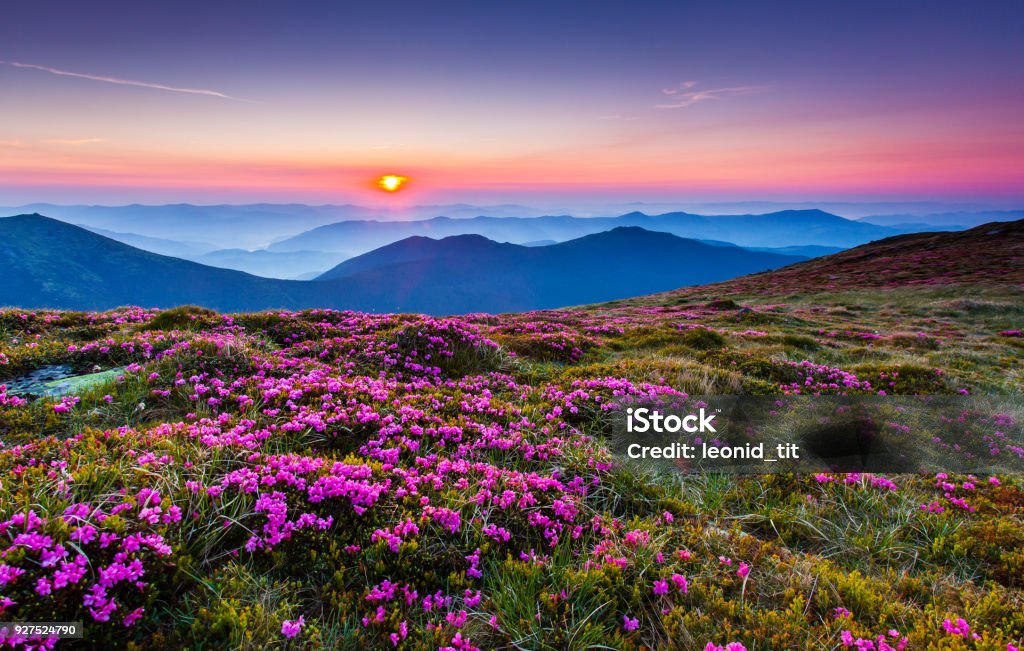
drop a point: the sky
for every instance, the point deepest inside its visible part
(527, 102)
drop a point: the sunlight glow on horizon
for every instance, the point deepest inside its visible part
(391, 182)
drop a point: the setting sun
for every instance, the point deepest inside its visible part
(391, 182)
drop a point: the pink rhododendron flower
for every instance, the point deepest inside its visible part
(291, 627)
(743, 570)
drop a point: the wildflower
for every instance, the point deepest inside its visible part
(8, 573)
(630, 623)
(743, 570)
(403, 632)
(680, 582)
(291, 627)
(474, 561)
(960, 627)
(133, 617)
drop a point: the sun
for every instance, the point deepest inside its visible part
(391, 182)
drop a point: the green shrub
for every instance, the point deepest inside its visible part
(703, 339)
(917, 342)
(803, 342)
(723, 304)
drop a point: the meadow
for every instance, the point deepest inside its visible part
(325, 479)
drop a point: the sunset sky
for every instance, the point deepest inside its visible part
(156, 102)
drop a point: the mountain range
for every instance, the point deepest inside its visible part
(778, 229)
(53, 264)
(50, 263)
(950, 220)
(297, 241)
(248, 226)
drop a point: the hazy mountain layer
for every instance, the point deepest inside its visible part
(786, 228)
(53, 264)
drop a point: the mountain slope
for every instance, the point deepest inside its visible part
(48, 263)
(990, 254)
(778, 229)
(159, 245)
(418, 248)
(471, 273)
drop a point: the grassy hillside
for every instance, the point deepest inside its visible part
(987, 254)
(331, 479)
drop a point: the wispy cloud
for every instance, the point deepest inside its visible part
(125, 82)
(73, 141)
(687, 94)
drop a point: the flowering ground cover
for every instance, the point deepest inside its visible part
(330, 479)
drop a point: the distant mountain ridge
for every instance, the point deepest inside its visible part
(954, 220)
(247, 226)
(780, 229)
(175, 248)
(50, 263)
